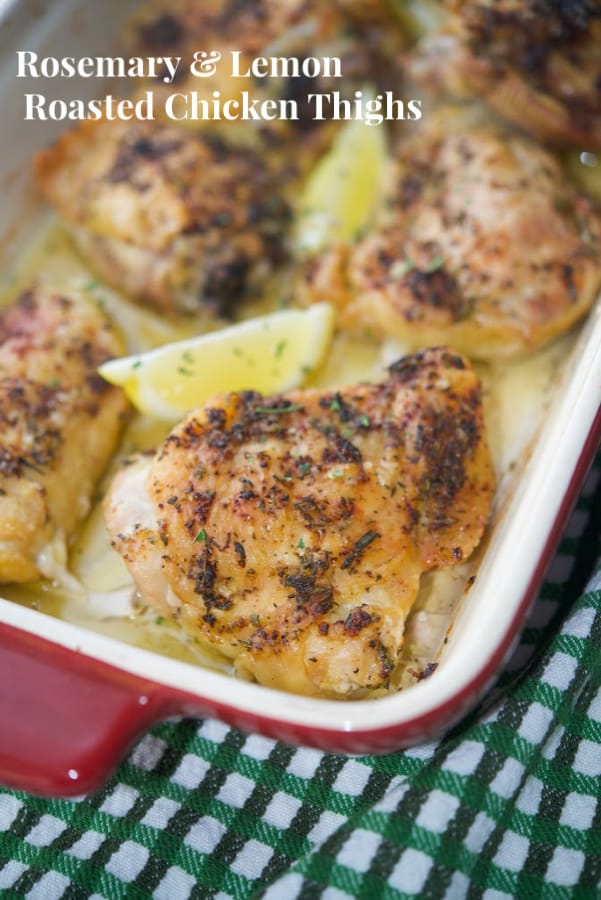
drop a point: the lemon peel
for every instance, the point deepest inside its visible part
(270, 354)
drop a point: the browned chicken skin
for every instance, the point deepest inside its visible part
(290, 533)
(483, 244)
(171, 218)
(60, 423)
(536, 62)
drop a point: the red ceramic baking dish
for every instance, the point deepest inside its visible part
(73, 700)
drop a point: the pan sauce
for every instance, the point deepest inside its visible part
(97, 592)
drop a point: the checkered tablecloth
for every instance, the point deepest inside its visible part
(508, 805)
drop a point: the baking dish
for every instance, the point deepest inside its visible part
(72, 701)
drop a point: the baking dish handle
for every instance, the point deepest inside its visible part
(66, 719)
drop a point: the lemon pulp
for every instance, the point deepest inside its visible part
(342, 192)
(270, 353)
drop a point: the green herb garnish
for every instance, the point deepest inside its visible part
(276, 410)
(435, 264)
(401, 267)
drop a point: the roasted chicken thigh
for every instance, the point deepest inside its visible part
(536, 62)
(483, 243)
(289, 533)
(174, 219)
(60, 423)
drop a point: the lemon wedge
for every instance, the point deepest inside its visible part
(270, 353)
(342, 192)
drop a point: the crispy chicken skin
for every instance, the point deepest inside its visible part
(289, 533)
(483, 244)
(60, 423)
(536, 62)
(171, 218)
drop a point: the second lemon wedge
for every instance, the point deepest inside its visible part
(343, 190)
(269, 354)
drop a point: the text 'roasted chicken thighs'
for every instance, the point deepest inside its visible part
(290, 533)
(483, 245)
(60, 423)
(226, 36)
(173, 219)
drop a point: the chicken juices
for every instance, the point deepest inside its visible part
(61, 424)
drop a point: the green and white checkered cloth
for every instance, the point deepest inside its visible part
(506, 805)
